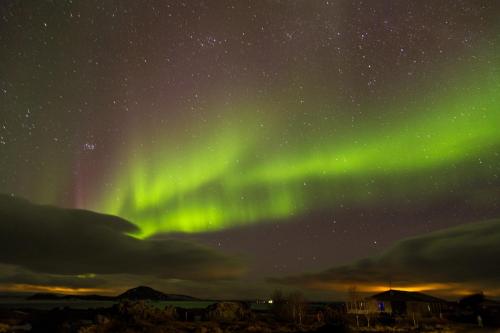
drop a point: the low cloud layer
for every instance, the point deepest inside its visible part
(50, 240)
(463, 256)
(16, 275)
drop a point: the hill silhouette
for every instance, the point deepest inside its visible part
(147, 293)
(138, 293)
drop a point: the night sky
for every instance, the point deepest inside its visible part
(235, 147)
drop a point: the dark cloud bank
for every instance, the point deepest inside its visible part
(50, 240)
(45, 245)
(467, 255)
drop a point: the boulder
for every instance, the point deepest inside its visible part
(141, 311)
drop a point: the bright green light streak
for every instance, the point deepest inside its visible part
(232, 179)
(467, 124)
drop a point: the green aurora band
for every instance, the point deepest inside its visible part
(233, 176)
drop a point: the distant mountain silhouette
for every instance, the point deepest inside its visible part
(147, 293)
(44, 296)
(138, 293)
(55, 297)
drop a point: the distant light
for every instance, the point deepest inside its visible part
(89, 146)
(270, 301)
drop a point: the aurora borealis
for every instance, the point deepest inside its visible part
(277, 137)
(223, 185)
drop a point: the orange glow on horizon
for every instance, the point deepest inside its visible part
(445, 289)
(54, 289)
(379, 288)
(413, 288)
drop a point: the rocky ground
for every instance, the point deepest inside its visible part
(224, 317)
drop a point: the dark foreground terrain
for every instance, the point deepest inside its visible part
(140, 316)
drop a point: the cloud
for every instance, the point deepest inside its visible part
(50, 240)
(15, 275)
(466, 255)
